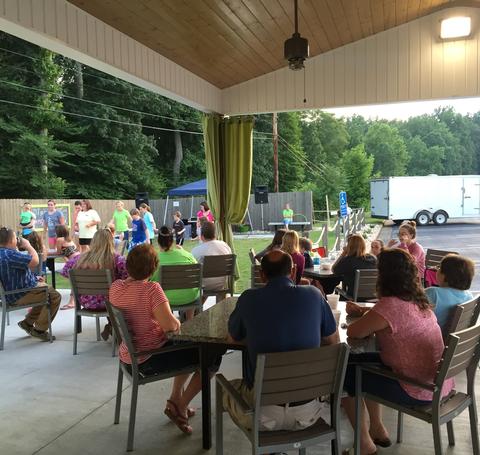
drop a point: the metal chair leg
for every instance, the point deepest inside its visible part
(97, 325)
(302, 451)
(49, 315)
(133, 413)
(114, 343)
(472, 411)
(451, 434)
(219, 420)
(437, 439)
(399, 427)
(118, 400)
(75, 330)
(4, 320)
(8, 318)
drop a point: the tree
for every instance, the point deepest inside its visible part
(357, 128)
(424, 160)
(357, 169)
(387, 147)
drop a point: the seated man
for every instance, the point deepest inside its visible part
(210, 246)
(276, 318)
(15, 273)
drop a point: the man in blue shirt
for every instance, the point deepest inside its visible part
(15, 273)
(277, 318)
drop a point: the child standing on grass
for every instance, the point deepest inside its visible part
(454, 278)
(178, 228)
(27, 219)
(139, 230)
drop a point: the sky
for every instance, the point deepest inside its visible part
(403, 111)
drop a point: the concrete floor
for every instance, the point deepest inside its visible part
(52, 403)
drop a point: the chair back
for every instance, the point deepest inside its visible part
(465, 315)
(434, 257)
(219, 265)
(256, 278)
(185, 276)
(365, 284)
(121, 331)
(251, 255)
(286, 377)
(3, 299)
(462, 353)
(90, 282)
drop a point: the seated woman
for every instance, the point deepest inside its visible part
(65, 245)
(275, 245)
(354, 257)
(409, 340)
(376, 247)
(170, 254)
(101, 255)
(454, 278)
(148, 315)
(406, 241)
(291, 245)
(306, 248)
(41, 248)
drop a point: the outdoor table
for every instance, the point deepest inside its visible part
(327, 278)
(51, 265)
(210, 327)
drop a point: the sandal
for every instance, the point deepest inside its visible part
(68, 306)
(174, 415)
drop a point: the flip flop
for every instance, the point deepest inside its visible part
(351, 451)
(180, 421)
(68, 306)
(191, 412)
(382, 442)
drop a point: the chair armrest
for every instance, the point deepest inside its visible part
(230, 390)
(18, 291)
(390, 374)
(178, 347)
(343, 293)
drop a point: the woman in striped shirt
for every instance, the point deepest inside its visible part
(148, 315)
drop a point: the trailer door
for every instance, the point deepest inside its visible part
(471, 196)
(379, 198)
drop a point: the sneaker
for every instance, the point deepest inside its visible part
(24, 325)
(44, 336)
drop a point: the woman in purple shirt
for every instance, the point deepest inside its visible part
(291, 245)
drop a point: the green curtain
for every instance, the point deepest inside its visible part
(229, 154)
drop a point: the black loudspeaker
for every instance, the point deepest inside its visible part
(261, 194)
(141, 198)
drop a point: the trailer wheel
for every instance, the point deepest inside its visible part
(440, 217)
(423, 218)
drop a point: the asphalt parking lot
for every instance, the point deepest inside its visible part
(462, 237)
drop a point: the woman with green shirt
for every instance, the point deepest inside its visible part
(171, 254)
(120, 220)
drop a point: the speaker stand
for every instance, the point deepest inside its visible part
(261, 209)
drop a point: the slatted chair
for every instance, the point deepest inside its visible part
(8, 307)
(132, 372)
(256, 278)
(434, 257)
(220, 266)
(89, 282)
(364, 286)
(288, 377)
(465, 315)
(185, 276)
(461, 354)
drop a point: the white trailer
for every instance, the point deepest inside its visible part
(423, 199)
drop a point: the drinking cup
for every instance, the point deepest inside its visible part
(332, 300)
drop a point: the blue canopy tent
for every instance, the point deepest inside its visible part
(190, 189)
(198, 188)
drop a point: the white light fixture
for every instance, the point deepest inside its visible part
(455, 27)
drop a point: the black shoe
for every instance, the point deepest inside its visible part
(24, 325)
(41, 335)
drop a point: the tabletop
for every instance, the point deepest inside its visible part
(211, 326)
(317, 272)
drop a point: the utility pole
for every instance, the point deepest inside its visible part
(275, 152)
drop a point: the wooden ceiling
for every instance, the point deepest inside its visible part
(230, 41)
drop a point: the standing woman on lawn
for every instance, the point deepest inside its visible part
(87, 221)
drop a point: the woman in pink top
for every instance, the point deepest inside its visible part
(148, 316)
(406, 241)
(204, 212)
(410, 342)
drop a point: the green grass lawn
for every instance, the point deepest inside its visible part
(241, 249)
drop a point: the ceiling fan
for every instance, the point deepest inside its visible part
(296, 48)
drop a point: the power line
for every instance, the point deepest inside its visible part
(15, 84)
(59, 111)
